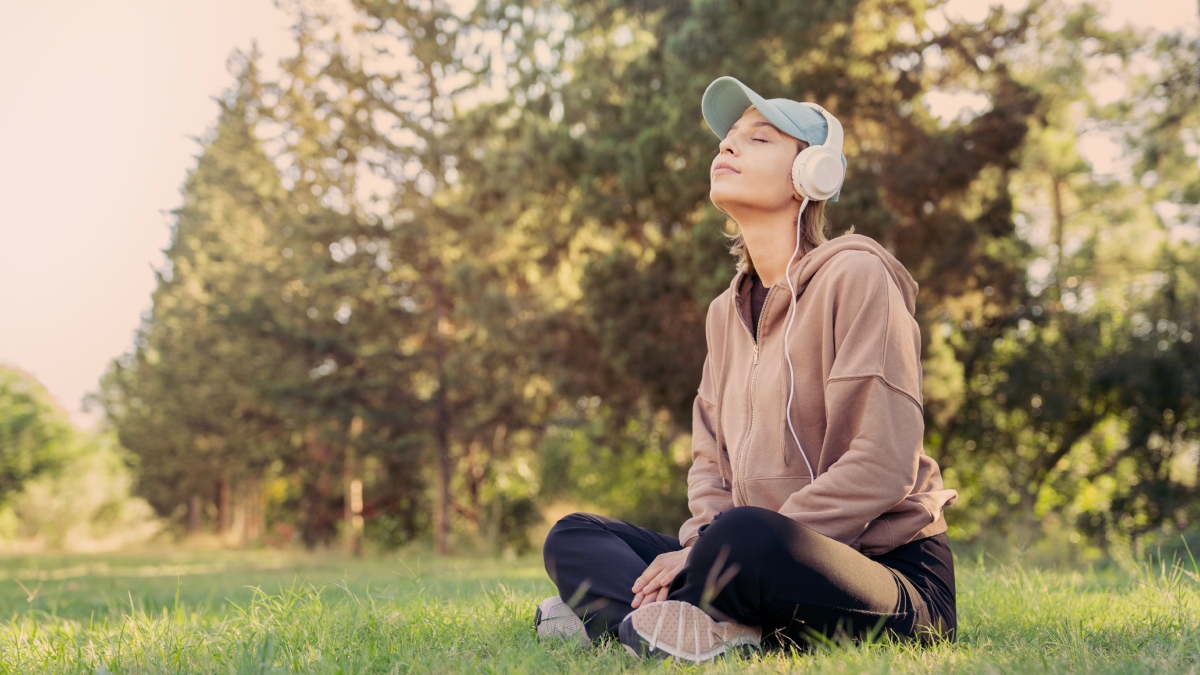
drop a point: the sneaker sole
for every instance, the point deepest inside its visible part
(580, 635)
(630, 635)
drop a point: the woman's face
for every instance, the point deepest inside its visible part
(753, 167)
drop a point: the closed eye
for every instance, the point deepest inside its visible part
(760, 140)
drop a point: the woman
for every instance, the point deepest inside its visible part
(815, 510)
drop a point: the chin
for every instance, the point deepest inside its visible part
(734, 206)
(724, 199)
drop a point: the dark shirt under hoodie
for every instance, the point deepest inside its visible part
(758, 295)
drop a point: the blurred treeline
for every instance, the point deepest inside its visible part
(59, 487)
(451, 265)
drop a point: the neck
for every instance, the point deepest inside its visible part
(770, 240)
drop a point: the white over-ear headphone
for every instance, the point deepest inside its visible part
(817, 175)
(817, 171)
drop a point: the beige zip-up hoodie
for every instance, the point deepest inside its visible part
(857, 407)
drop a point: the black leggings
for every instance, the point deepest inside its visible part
(762, 569)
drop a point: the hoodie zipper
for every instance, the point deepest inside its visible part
(741, 486)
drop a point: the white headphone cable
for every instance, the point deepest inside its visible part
(787, 411)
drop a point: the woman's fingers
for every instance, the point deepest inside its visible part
(648, 589)
(655, 582)
(665, 577)
(656, 588)
(650, 573)
(647, 596)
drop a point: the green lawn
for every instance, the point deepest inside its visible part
(268, 612)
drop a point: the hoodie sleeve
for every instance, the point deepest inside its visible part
(875, 425)
(708, 492)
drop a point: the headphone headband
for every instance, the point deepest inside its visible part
(834, 137)
(817, 172)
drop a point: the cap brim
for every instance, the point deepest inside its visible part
(726, 100)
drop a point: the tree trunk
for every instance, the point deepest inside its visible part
(441, 509)
(441, 514)
(237, 526)
(222, 507)
(354, 519)
(195, 508)
(252, 499)
(352, 494)
(318, 524)
(1060, 222)
(474, 475)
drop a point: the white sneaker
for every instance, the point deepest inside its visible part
(554, 619)
(682, 630)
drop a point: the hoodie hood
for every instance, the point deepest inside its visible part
(802, 272)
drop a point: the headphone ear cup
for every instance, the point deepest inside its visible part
(817, 173)
(798, 171)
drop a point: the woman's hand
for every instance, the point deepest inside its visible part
(654, 583)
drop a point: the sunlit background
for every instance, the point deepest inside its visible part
(100, 105)
(380, 273)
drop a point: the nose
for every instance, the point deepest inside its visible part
(727, 145)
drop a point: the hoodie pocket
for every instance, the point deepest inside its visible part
(771, 492)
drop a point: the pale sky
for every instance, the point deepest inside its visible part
(97, 104)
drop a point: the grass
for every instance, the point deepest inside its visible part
(270, 612)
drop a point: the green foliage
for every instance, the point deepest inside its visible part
(36, 438)
(1073, 414)
(188, 401)
(86, 508)
(62, 488)
(403, 264)
(637, 473)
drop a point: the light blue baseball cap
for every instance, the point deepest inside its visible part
(726, 99)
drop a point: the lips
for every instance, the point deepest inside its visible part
(723, 167)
